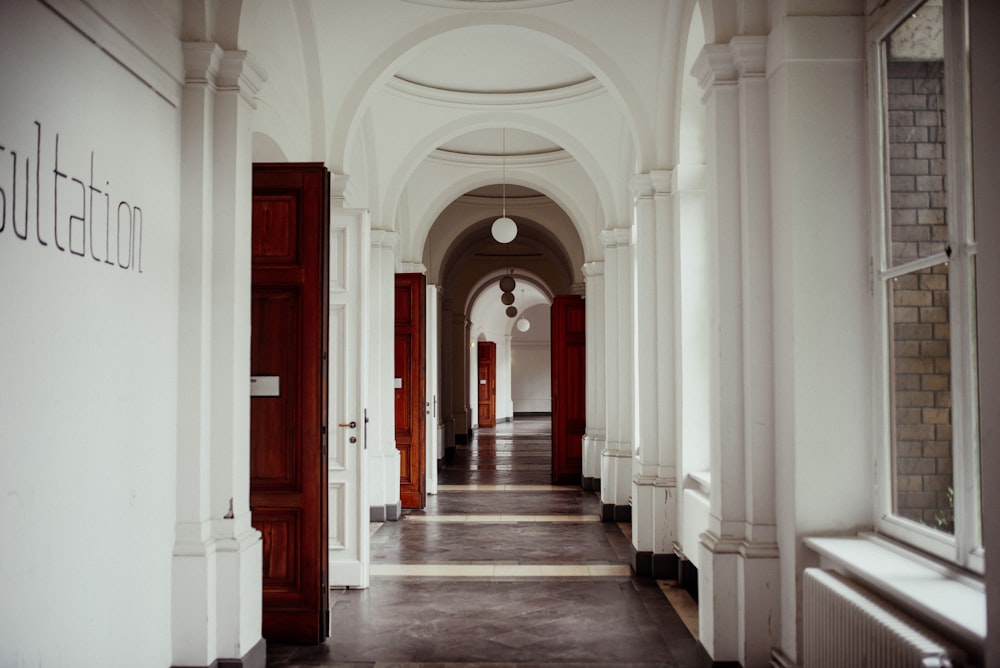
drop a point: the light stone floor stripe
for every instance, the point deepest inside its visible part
(501, 570)
(501, 519)
(507, 488)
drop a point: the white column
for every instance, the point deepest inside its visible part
(654, 471)
(720, 543)
(758, 567)
(616, 458)
(383, 455)
(217, 562)
(595, 436)
(505, 399)
(739, 551)
(448, 352)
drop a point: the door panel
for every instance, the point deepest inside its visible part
(487, 379)
(288, 473)
(409, 365)
(349, 544)
(569, 414)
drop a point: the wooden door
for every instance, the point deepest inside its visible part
(288, 353)
(569, 407)
(487, 384)
(410, 409)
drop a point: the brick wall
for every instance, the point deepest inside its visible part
(919, 316)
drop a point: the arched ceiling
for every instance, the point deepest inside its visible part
(497, 61)
(417, 101)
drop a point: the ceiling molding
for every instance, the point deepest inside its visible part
(466, 5)
(514, 161)
(582, 90)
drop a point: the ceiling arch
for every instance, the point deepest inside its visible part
(520, 170)
(554, 36)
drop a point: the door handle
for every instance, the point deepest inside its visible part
(352, 424)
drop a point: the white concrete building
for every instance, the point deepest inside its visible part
(781, 215)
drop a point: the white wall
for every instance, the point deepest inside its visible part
(531, 362)
(88, 351)
(822, 314)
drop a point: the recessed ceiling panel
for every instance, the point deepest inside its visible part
(491, 59)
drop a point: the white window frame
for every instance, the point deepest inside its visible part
(964, 548)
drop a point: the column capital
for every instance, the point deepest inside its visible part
(593, 269)
(413, 268)
(749, 55)
(201, 62)
(715, 66)
(384, 239)
(641, 186)
(654, 183)
(338, 188)
(240, 73)
(617, 237)
(206, 63)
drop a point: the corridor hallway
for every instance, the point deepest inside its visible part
(502, 568)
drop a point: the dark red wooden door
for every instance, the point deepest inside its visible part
(569, 406)
(410, 381)
(288, 345)
(487, 380)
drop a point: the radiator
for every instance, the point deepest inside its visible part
(845, 626)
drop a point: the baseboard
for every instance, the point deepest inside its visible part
(255, 658)
(390, 512)
(652, 565)
(587, 483)
(533, 414)
(460, 439)
(393, 511)
(613, 513)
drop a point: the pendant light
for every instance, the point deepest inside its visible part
(504, 229)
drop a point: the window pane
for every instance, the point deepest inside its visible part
(915, 118)
(921, 380)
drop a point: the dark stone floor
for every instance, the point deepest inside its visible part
(565, 621)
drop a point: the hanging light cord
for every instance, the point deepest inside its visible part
(503, 158)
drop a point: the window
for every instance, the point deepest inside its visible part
(924, 271)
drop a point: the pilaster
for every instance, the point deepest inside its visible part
(595, 436)
(654, 471)
(738, 550)
(616, 458)
(217, 562)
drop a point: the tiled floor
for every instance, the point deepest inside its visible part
(502, 568)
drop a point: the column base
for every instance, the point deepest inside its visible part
(255, 658)
(616, 513)
(652, 565)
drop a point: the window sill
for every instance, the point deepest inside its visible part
(941, 596)
(700, 481)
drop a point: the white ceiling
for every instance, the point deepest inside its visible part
(491, 59)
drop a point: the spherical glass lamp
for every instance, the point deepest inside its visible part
(507, 298)
(523, 325)
(504, 230)
(511, 311)
(507, 283)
